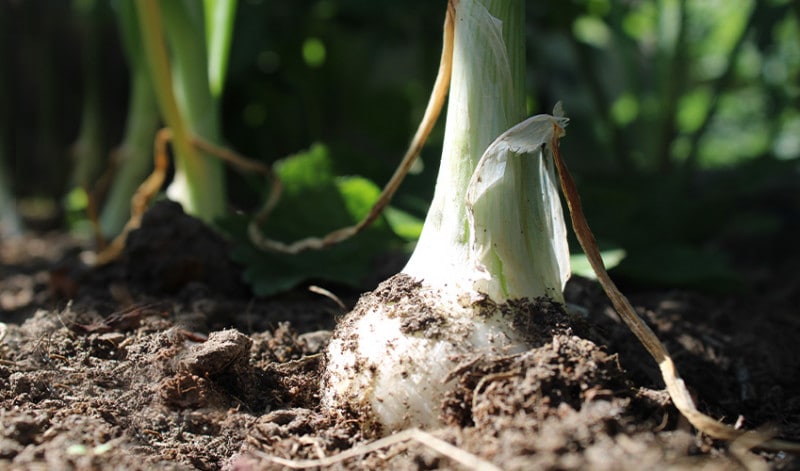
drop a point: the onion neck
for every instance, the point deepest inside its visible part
(486, 98)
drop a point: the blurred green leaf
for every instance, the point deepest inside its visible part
(678, 265)
(625, 109)
(640, 21)
(787, 143)
(592, 31)
(598, 7)
(580, 264)
(314, 52)
(693, 108)
(76, 200)
(313, 203)
(740, 130)
(403, 224)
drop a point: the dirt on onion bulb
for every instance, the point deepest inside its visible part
(494, 241)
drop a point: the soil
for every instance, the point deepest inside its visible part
(163, 360)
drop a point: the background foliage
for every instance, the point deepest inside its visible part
(684, 132)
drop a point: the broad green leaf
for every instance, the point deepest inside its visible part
(313, 203)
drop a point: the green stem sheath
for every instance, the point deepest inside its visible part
(135, 154)
(486, 99)
(185, 102)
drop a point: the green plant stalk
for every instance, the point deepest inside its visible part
(10, 224)
(219, 21)
(136, 150)
(185, 33)
(487, 98)
(134, 154)
(185, 102)
(674, 84)
(88, 150)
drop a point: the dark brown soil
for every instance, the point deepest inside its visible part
(163, 360)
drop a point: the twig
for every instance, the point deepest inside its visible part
(432, 112)
(150, 187)
(469, 460)
(324, 292)
(247, 164)
(675, 386)
(142, 198)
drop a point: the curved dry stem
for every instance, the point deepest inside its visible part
(149, 188)
(462, 457)
(246, 164)
(675, 385)
(432, 111)
(142, 198)
(97, 194)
